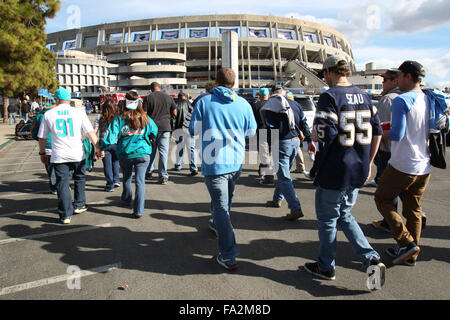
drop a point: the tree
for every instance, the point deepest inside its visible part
(25, 63)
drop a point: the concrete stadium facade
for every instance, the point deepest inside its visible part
(185, 52)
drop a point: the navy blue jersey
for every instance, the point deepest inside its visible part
(345, 122)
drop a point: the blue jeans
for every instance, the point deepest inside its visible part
(111, 166)
(62, 172)
(332, 209)
(50, 168)
(162, 144)
(284, 187)
(12, 116)
(221, 191)
(179, 161)
(140, 166)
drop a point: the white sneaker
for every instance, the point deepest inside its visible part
(65, 221)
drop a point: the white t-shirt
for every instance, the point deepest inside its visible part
(409, 134)
(65, 124)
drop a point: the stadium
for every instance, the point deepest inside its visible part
(186, 52)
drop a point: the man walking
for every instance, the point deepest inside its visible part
(408, 171)
(349, 128)
(160, 107)
(265, 169)
(390, 92)
(284, 115)
(65, 124)
(181, 121)
(226, 120)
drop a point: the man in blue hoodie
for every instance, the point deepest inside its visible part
(224, 120)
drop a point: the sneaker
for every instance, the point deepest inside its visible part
(212, 226)
(54, 192)
(176, 169)
(382, 225)
(229, 264)
(109, 190)
(307, 175)
(268, 181)
(194, 173)
(163, 181)
(393, 252)
(117, 184)
(405, 253)
(148, 176)
(382, 275)
(313, 268)
(273, 204)
(299, 171)
(372, 184)
(80, 210)
(66, 221)
(294, 215)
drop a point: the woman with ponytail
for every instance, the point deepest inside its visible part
(109, 111)
(132, 131)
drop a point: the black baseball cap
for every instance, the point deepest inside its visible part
(412, 67)
(390, 73)
(276, 88)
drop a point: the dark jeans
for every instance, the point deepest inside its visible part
(50, 168)
(62, 172)
(111, 166)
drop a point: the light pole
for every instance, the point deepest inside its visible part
(259, 79)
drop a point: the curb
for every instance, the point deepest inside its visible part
(4, 145)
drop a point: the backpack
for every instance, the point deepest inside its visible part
(439, 126)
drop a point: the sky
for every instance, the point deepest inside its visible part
(386, 32)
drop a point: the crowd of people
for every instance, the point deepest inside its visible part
(344, 143)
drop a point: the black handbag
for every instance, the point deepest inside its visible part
(437, 149)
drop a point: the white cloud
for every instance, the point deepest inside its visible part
(436, 61)
(418, 15)
(356, 23)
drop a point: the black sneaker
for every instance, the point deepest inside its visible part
(313, 268)
(382, 274)
(405, 253)
(194, 173)
(393, 252)
(268, 181)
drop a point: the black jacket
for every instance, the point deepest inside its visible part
(182, 111)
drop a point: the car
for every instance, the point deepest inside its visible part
(308, 107)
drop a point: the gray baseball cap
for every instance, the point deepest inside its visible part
(333, 61)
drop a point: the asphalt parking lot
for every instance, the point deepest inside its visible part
(169, 253)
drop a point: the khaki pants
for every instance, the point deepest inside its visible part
(299, 160)
(390, 185)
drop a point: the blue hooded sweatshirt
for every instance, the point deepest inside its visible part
(224, 120)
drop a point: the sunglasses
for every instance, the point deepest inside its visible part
(392, 79)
